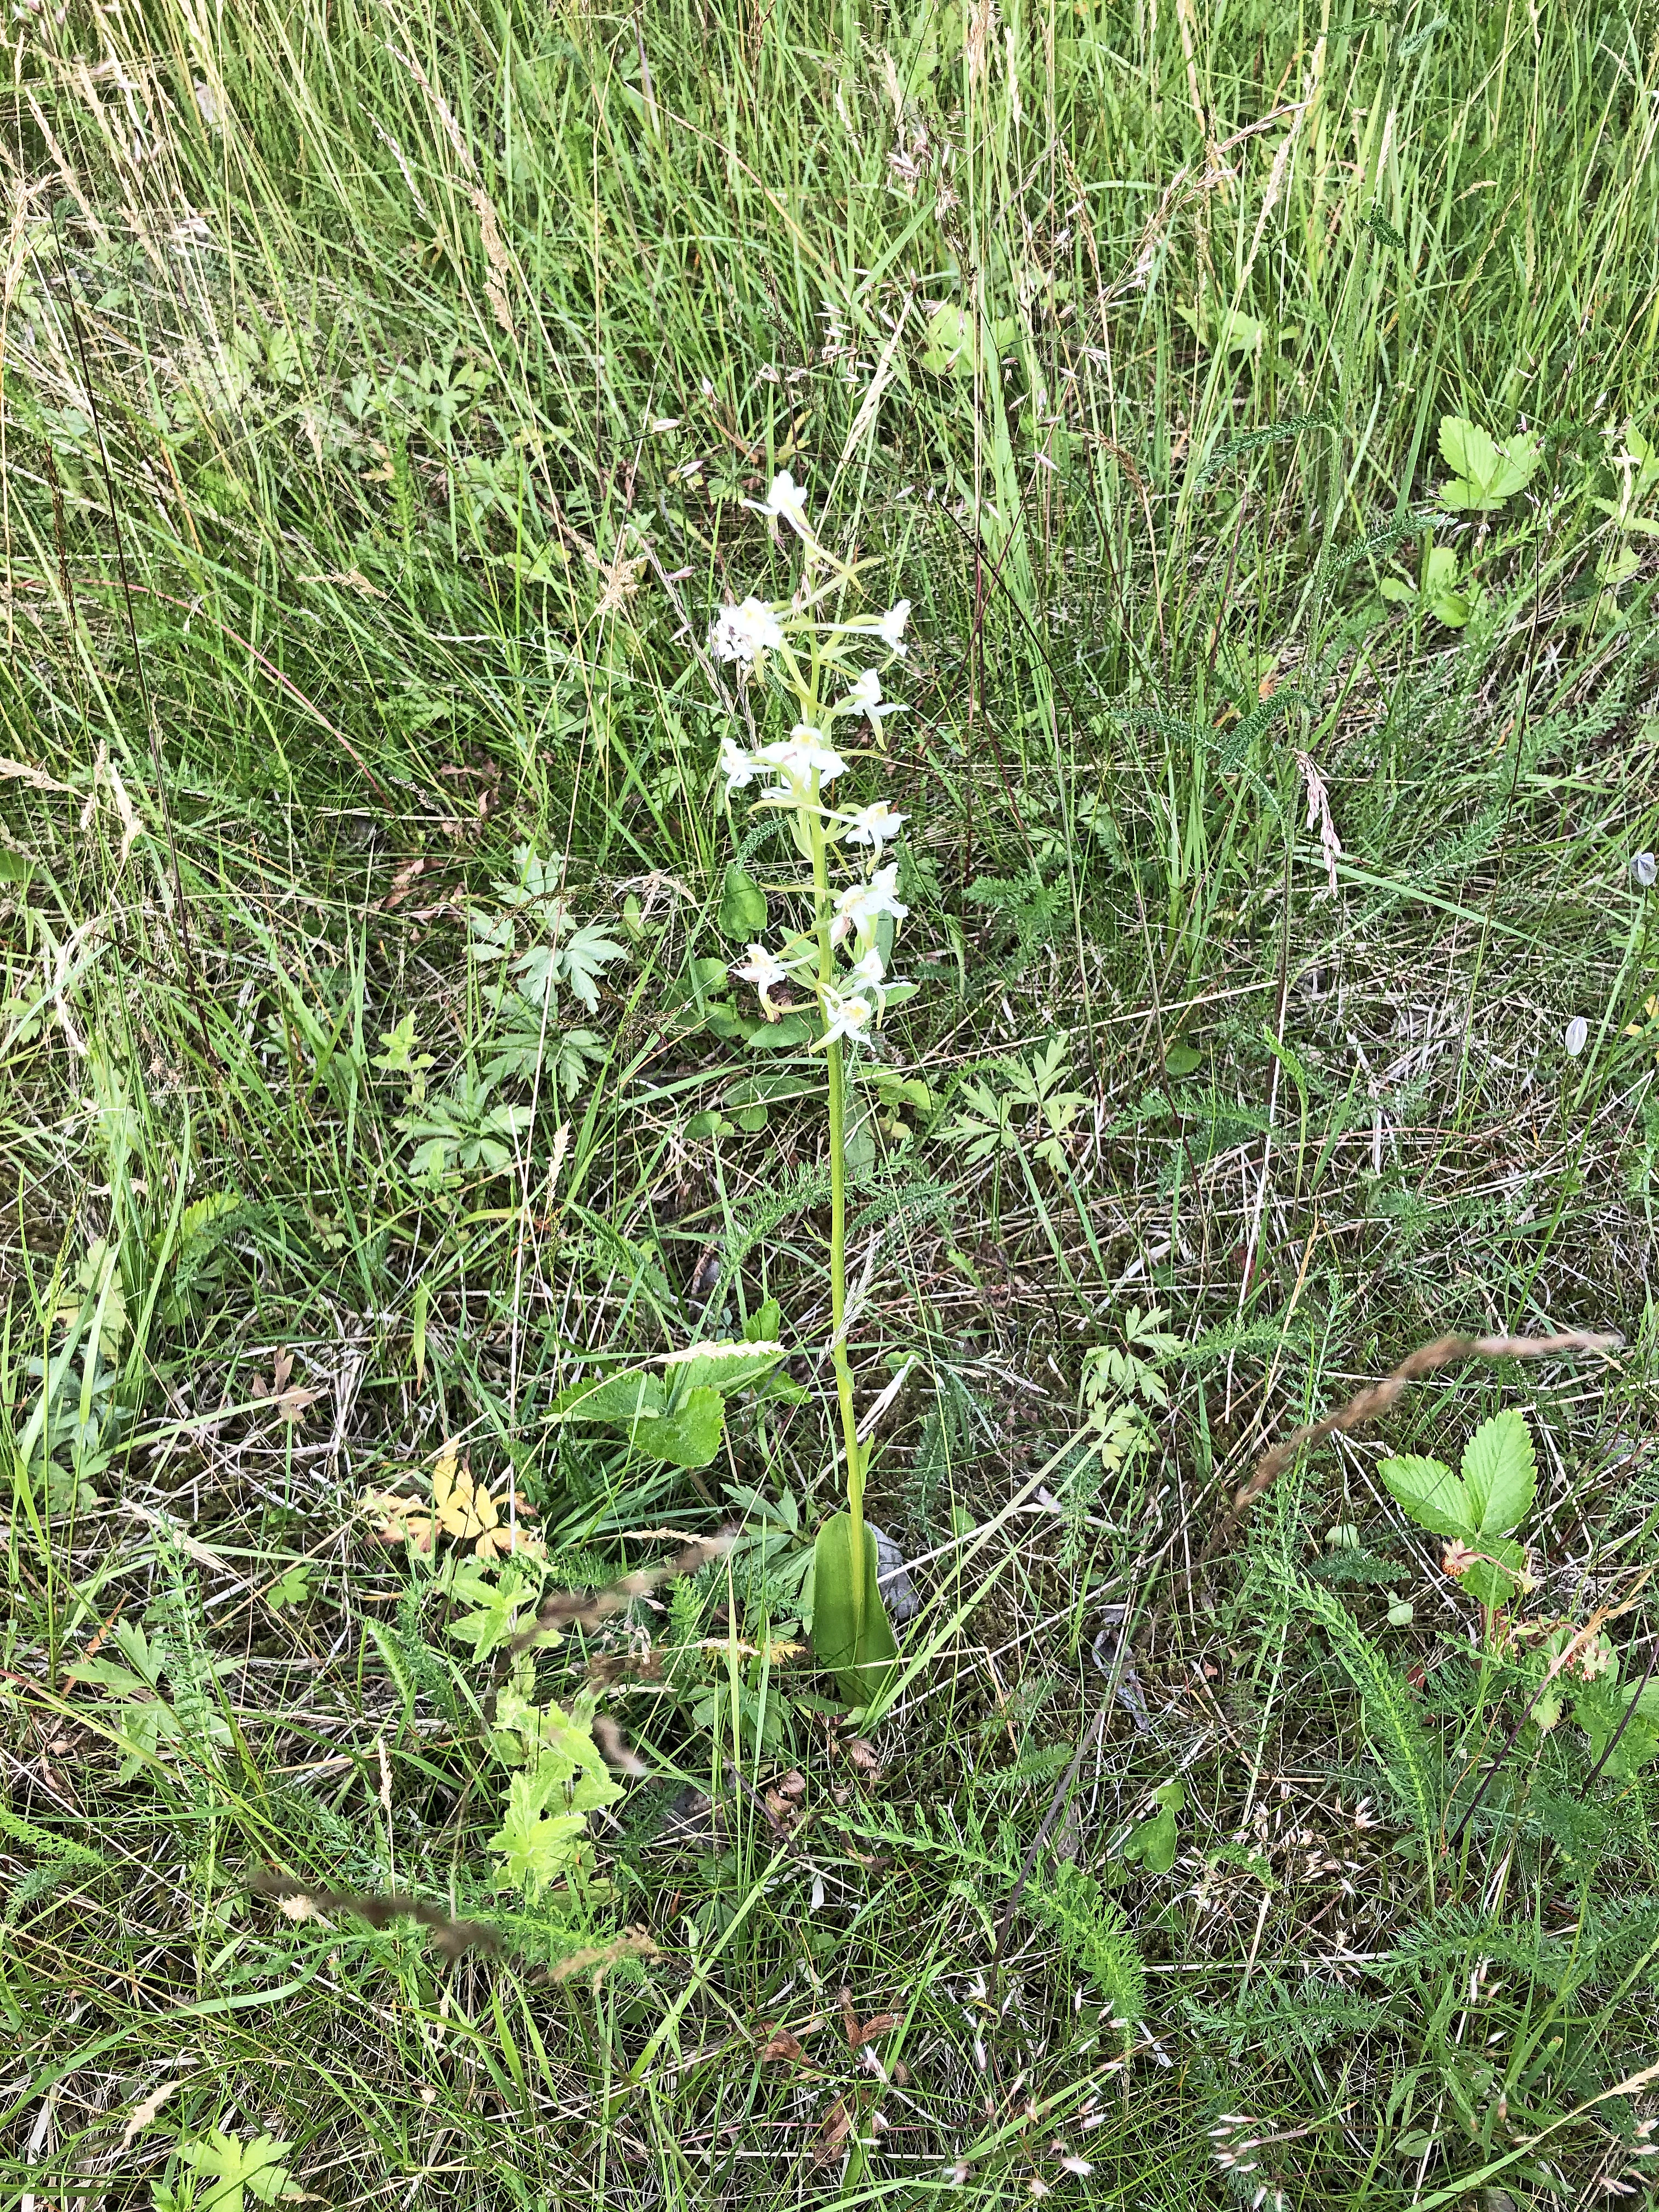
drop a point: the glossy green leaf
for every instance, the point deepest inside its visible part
(860, 1661)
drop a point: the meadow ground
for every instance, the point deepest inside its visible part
(1252, 402)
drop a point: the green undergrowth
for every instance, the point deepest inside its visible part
(1256, 405)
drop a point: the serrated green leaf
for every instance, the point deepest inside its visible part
(1499, 1474)
(1601, 1711)
(535, 1847)
(1431, 1494)
(743, 905)
(860, 1658)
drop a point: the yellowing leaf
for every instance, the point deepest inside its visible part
(399, 1520)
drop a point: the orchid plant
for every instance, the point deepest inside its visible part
(819, 667)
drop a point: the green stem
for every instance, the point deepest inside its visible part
(838, 1218)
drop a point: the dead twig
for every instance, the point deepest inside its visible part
(587, 1608)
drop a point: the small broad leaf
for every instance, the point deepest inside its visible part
(1153, 1844)
(860, 1661)
(1491, 1579)
(535, 1847)
(1499, 1473)
(233, 2170)
(726, 1368)
(688, 1435)
(631, 1395)
(949, 351)
(743, 905)
(1431, 1494)
(1486, 474)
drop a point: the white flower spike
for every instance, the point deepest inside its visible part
(845, 1015)
(877, 824)
(862, 906)
(802, 754)
(784, 502)
(741, 632)
(738, 767)
(865, 698)
(765, 971)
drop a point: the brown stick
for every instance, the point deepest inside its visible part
(563, 1609)
(1377, 1397)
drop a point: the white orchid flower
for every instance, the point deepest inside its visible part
(738, 767)
(860, 907)
(876, 824)
(869, 976)
(784, 502)
(802, 754)
(865, 698)
(891, 628)
(765, 971)
(845, 1015)
(741, 632)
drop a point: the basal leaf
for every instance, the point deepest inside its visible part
(1153, 1844)
(861, 1660)
(581, 960)
(1431, 1494)
(949, 350)
(1499, 1474)
(233, 2170)
(1485, 474)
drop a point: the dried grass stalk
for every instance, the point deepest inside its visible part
(1376, 1398)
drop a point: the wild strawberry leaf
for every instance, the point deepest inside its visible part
(1499, 1473)
(1431, 1494)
